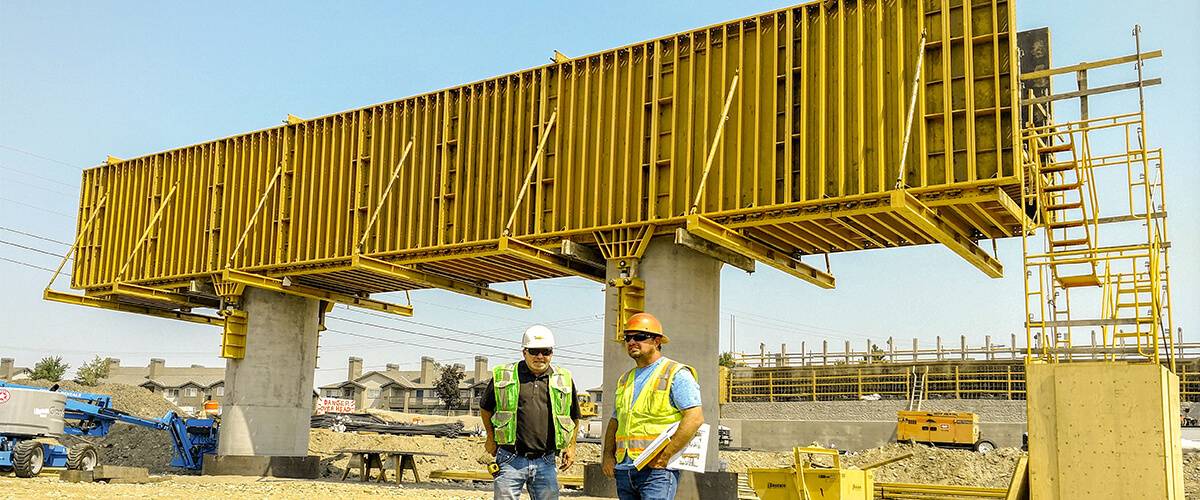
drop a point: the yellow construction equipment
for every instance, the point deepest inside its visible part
(804, 480)
(587, 407)
(949, 429)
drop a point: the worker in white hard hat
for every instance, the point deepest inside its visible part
(530, 413)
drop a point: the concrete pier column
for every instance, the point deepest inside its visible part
(683, 289)
(268, 394)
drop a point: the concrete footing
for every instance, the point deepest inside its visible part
(268, 394)
(692, 486)
(305, 467)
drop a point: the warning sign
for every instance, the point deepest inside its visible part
(334, 405)
(4, 395)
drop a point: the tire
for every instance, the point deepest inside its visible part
(28, 458)
(82, 457)
(985, 447)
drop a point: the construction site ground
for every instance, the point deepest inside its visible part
(141, 447)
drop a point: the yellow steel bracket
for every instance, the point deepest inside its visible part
(362, 240)
(928, 221)
(625, 248)
(285, 285)
(262, 200)
(537, 155)
(546, 258)
(293, 119)
(233, 336)
(712, 149)
(399, 272)
(87, 226)
(631, 299)
(149, 229)
(112, 305)
(708, 230)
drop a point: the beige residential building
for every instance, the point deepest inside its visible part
(408, 391)
(9, 372)
(185, 386)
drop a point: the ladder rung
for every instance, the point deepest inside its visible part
(1069, 242)
(1061, 187)
(1066, 224)
(1065, 206)
(1058, 167)
(1057, 148)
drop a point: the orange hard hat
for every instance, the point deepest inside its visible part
(646, 322)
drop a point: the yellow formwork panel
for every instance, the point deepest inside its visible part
(818, 115)
(1103, 431)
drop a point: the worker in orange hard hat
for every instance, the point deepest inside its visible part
(637, 421)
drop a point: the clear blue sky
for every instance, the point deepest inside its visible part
(79, 80)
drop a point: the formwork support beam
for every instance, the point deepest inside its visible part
(150, 293)
(683, 237)
(542, 257)
(706, 229)
(112, 305)
(928, 221)
(397, 271)
(285, 285)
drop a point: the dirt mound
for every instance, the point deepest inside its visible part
(130, 399)
(128, 445)
(459, 453)
(927, 465)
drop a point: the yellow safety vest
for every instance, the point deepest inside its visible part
(640, 422)
(507, 391)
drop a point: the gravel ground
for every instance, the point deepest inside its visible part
(192, 487)
(883, 410)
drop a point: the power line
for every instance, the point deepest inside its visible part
(31, 249)
(455, 330)
(31, 235)
(35, 155)
(438, 348)
(35, 207)
(35, 186)
(26, 264)
(36, 176)
(429, 335)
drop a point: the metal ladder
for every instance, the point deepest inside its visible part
(917, 393)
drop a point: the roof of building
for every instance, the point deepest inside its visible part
(168, 376)
(410, 379)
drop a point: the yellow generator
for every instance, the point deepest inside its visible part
(949, 429)
(803, 481)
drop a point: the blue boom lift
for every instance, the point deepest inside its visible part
(92, 415)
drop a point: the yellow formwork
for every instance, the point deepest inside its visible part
(609, 142)
(1103, 430)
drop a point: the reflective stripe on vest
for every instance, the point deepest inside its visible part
(640, 422)
(508, 393)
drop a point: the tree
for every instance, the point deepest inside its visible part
(92, 372)
(446, 386)
(49, 368)
(726, 360)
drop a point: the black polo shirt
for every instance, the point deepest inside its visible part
(535, 417)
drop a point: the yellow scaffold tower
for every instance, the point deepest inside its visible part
(1087, 264)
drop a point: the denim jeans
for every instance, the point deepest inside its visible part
(647, 484)
(539, 475)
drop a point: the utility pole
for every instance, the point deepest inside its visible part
(732, 333)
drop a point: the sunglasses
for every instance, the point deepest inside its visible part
(639, 337)
(537, 351)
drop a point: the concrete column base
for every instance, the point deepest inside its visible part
(692, 486)
(308, 467)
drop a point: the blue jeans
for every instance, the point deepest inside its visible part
(539, 475)
(647, 484)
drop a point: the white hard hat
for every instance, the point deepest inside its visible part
(537, 336)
